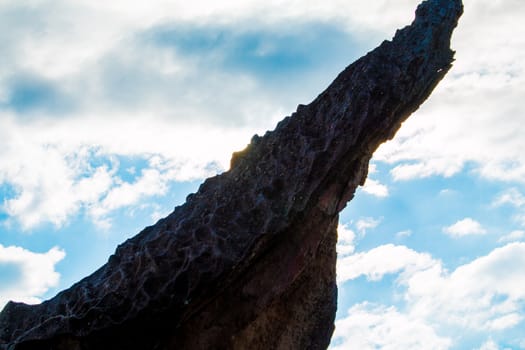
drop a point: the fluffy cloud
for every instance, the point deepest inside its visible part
(512, 196)
(484, 295)
(188, 83)
(369, 326)
(385, 259)
(345, 240)
(404, 234)
(517, 235)
(465, 227)
(55, 173)
(26, 275)
(129, 86)
(489, 345)
(515, 199)
(375, 188)
(49, 185)
(137, 84)
(365, 224)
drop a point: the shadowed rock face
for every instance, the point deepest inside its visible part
(248, 262)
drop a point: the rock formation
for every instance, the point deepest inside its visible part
(248, 262)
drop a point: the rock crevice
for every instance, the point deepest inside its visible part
(248, 262)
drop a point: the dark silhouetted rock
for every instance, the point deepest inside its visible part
(248, 262)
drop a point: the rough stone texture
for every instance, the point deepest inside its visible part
(248, 262)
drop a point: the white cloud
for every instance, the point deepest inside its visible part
(372, 186)
(489, 345)
(404, 234)
(370, 326)
(512, 196)
(428, 168)
(465, 227)
(157, 213)
(30, 274)
(385, 259)
(375, 188)
(51, 169)
(365, 224)
(515, 199)
(516, 235)
(129, 98)
(345, 240)
(125, 95)
(150, 183)
(51, 184)
(447, 192)
(358, 15)
(484, 295)
(372, 168)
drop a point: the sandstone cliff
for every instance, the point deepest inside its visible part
(248, 262)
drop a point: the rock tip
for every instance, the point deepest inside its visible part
(440, 9)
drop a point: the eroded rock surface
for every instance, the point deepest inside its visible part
(248, 262)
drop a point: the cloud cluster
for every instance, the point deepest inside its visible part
(382, 260)
(483, 296)
(489, 345)
(464, 227)
(374, 187)
(366, 223)
(517, 235)
(191, 82)
(369, 326)
(83, 85)
(515, 200)
(345, 241)
(25, 276)
(54, 173)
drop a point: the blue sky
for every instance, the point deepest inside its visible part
(112, 113)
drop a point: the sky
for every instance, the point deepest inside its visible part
(112, 112)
